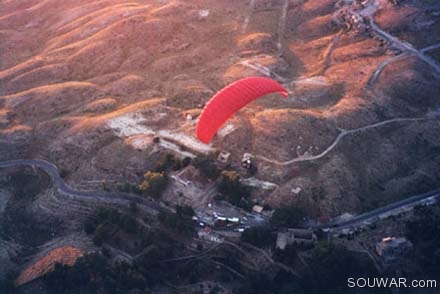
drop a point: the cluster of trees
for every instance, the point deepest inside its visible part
(258, 236)
(153, 184)
(27, 186)
(233, 191)
(170, 162)
(424, 231)
(180, 221)
(106, 222)
(288, 256)
(206, 165)
(126, 188)
(263, 283)
(288, 216)
(331, 267)
(94, 273)
(7, 283)
(156, 181)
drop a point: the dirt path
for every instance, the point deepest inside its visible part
(263, 70)
(382, 65)
(406, 47)
(342, 135)
(429, 48)
(282, 26)
(247, 19)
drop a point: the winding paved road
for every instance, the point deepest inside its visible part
(106, 197)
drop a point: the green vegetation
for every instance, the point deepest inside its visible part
(185, 211)
(259, 236)
(233, 191)
(128, 188)
(106, 222)
(288, 256)
(134, 209)
(280, 283)
(93, 273)
(186, 161)
(181, 221)
(18, 222)
(207, 166)
(155, 181)
(169, 162)
(154, 184)
(332, 265)
(288, 216)
(27, 186)
(7, 283)
(424, 231)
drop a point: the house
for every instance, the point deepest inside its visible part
(298, 237)
(257, 208)
(246, 161)
(391, 250)
(223, 157)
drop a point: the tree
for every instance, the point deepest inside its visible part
(289, 216)
(424, 231)
(106, 221)
(89, 225)
(258, 236)
(154, 183)
(185, 211)
(332, 265)
(287, 256)
(134, 209)
(102, 234)
(206, 166)
(7, 283)
(186, 161)
(230, 182)
(234, 191)
(128, 224)
(425, 226)
(169, 162)
(180, 221)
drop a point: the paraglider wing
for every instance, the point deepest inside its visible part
(231, 99)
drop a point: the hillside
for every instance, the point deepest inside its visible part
(104, 91)
(88, 84)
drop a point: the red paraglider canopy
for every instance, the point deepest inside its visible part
(231, 99)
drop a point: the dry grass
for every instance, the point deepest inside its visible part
(68, 69)
(66, 255)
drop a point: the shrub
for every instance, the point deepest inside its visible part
(154, 184)
(258, 236)
(233, 190)
(287, 217)
(206, 167)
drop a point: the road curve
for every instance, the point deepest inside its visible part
(342, 135)
(106, 197)
(404, 46)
